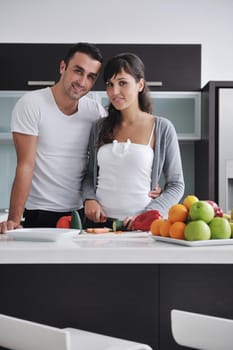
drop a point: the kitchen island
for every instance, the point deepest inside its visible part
(124, 287)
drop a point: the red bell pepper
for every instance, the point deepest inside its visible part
(143, 221)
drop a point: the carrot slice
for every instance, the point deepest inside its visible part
(89, 230)
(98, 230)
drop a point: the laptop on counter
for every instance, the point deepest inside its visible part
(19, 334)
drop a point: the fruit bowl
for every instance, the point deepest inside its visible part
(183, 242)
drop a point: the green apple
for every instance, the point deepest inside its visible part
(201, 210)
(220, 228)
(231, 224)
(227, 216)
(197, 230)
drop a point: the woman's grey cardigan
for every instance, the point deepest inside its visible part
(167, 161)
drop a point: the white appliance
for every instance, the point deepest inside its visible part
(225, 148)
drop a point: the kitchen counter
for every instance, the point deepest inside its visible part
(122, 287)
(91, 250)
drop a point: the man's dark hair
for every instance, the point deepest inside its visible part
(89, 49)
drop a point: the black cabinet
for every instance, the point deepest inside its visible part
(113, 299)
(205, 289)
(168, 66)
(131, 301)
(30, 66)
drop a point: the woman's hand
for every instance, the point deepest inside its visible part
(94, 211)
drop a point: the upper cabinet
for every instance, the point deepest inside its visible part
(169, 67)
(30, 66)
(182, 108)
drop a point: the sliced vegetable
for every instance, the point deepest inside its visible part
(117, 225)
(98, 230)
(76, 220)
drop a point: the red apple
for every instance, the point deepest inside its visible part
(217, 209)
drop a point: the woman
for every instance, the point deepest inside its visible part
(129, 151)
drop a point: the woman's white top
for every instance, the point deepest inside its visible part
(124, 179)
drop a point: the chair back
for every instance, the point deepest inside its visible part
(200, 331)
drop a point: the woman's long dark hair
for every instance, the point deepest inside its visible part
(134, 66)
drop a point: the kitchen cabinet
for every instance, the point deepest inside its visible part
(213, 152)
(123, 287)
(169, 67)
(30, 66)
(7, 102)
(7, 150)
(205, 289)
(182, 108)
(115, 300)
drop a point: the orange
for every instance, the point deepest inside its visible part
(189, 200)
(164, 228)
(177, 212)
(155, 226)
(177, 230)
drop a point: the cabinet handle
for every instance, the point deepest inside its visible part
(40, 82)
(154, 83)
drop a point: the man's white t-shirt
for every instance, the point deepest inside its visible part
(61, 156)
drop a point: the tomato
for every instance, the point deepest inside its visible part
(64, 222)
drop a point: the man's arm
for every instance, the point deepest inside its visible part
(25, 146)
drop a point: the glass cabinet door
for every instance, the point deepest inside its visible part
(7, 172)
(7, 102)
(7, 150)
(183, 109)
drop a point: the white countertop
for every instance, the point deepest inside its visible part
(3, 215)
(93, 250)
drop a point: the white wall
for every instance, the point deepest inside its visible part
(208, 22)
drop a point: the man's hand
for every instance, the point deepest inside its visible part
(155, 192)
(9, 225)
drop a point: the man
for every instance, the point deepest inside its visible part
(51, 129)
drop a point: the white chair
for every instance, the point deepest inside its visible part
(200, 331)
(19, 334)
